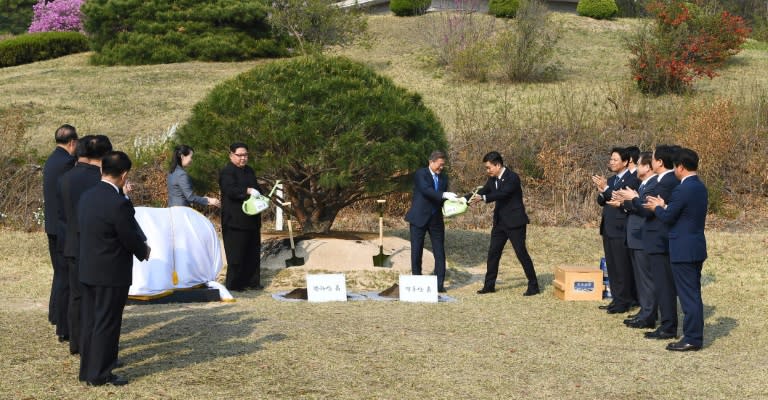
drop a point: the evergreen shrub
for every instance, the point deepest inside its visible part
(133, 32)
(28, 48)
(503, 8)
(15, 15)
(598, 9)
(405, 8)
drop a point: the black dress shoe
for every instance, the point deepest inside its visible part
(682, 346)
(633, 316)
(532, 292)
(441, 290)
(607, 306)
(113, 380)
(657, 334)
(486, 290)
(118, 364)
(256, 287)
(617, 310)
(642, 325)
(63, 338)
(630, 320)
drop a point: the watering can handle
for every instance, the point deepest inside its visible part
(277, 182)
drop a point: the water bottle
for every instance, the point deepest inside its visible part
(606, 282)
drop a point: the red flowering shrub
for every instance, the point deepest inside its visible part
(687, 42)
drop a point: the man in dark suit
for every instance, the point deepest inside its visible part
(109, 239)
(632, 202)
(656, 245)
(503, 188)
(60, 161)
(686, 215)
(430, 187)
(241, 232)
(614, 232)
(85, 175)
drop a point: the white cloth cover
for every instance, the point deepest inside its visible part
(181, 239)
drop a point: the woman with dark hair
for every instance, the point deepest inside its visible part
(179, 186)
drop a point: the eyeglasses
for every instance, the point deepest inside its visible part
(244, 155)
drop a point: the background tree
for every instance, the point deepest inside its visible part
(315, 24)
(15, 15)
(331, 129)
(134, 32)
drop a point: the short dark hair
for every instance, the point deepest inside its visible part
(178, 152)
(633, 152)
(688, 159)
(645, 158)
(622, 152)
(65, 134)
(436, 155)
(234, 146)
(97, 146)
(115, 163)
(80, 148)
(666, 154)
(494, 158)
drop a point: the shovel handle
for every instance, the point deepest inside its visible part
(290, 227)
(381, 231)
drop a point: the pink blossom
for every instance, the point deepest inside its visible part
(57, 15)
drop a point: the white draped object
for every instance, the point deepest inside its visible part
(183, 240)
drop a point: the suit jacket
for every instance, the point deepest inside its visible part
(180, 190)
(109, 237)
(637, 215)
(655, 232)
(613, 220)
(426, 200)
(73, 184)
(233, 182)
(57, 164)
(509, 211)
(686, 214)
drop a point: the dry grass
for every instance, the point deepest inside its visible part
(494, 346)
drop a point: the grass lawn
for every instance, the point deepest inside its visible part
(502, 345)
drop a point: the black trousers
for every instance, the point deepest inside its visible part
(436, 229)
(101, 319)
(243, 248)
(664, 288)
(59, 302)
(59, 279)
(620, 275)
(499, 237)
(75, 302)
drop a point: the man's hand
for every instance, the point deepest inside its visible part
(253, 192)
(651, 202)
(613, 203)
(600, 182)
(624, 194)
(212, 201)
(449, 195)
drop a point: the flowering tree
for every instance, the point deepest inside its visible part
(57, 15)
(687, 42)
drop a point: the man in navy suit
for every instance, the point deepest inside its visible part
(686, 215)
(430, 187)
(656, 245)
(614, 232)
(109, 239)
(632, 202)
(503, 188)
(85, 175)
(60, 161)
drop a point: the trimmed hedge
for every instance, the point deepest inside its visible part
(503, 8)
(40, 46)
(134, 32)
(405, 8)
(598, 9)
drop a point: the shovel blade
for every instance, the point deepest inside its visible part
(380, 259)
(294, 261)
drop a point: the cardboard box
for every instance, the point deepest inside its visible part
(578, 283)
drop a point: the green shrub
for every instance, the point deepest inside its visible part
(598, 9)
(15, 15)
(404, 8)
(503, 8)
(33, 47)
(135, 32)
(308, 122)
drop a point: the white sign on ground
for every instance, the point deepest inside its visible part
(418, 288)
(326, 287)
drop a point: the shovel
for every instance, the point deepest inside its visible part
(293, 261)
(381, 258)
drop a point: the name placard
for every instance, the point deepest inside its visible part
(418, 288)
(326, 287)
